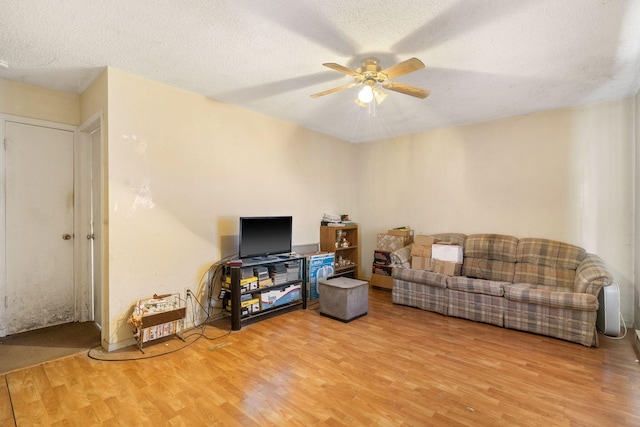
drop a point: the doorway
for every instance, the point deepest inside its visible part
(91, 141)
(44, 259)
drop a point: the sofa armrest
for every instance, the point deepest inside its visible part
(592, 275)
(402, 257)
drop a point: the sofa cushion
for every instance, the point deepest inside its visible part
(543, 295)
(476, 307)
(560, 322)
(497, 247)
(490, 256)
(547, 262)
(420, 276)
(476, 286)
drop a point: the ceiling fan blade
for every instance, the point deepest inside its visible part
(406, 89)
(402, 68)
(335, 89)
(341, 68)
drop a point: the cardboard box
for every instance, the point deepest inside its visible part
(320, 266)
(246, 285)
(247, 307)
(421, 251)
(446, 267)
(382, 269)
(444, 252)
(282, 296)
(423, 240)
(420, 263)
(381, 281)
(404, 232)
(390, 243)
(382, 257)
(422, 246)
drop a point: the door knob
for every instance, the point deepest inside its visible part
(91, 236)
(66, 237)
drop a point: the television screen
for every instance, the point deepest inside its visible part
(264, 236)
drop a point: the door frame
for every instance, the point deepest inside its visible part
(82, 291)
(89, 126)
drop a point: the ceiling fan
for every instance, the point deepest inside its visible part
(370, 76)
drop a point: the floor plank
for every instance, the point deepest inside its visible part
(396, 366)
(6, 409)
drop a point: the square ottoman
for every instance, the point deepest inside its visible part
(343, 298)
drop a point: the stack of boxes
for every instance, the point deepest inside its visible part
(248, 304)
(385, 244)
(440, 257)
(248, 282)
(421, 252)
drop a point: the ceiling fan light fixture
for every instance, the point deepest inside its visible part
(379, 95)
(366, 94)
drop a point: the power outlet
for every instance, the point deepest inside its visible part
(187, 293)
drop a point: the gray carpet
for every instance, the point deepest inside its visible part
(35, 347)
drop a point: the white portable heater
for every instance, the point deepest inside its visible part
(608, 321)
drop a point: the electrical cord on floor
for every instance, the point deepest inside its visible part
(624, 325)
(203, 328)
(201, 334)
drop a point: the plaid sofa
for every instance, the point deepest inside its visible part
(535, 285)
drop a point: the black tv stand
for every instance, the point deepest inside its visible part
(239, 316)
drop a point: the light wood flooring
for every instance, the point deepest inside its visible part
(396, 366)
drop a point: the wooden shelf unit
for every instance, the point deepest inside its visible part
(346, 258)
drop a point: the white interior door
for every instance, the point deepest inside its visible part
(39, 237)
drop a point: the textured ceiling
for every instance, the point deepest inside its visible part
(484, 59)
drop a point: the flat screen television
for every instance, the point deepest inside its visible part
(264, 236)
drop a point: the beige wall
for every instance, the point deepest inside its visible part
(24, 100)
(94, 99)
(182, 168)
(563, 174)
